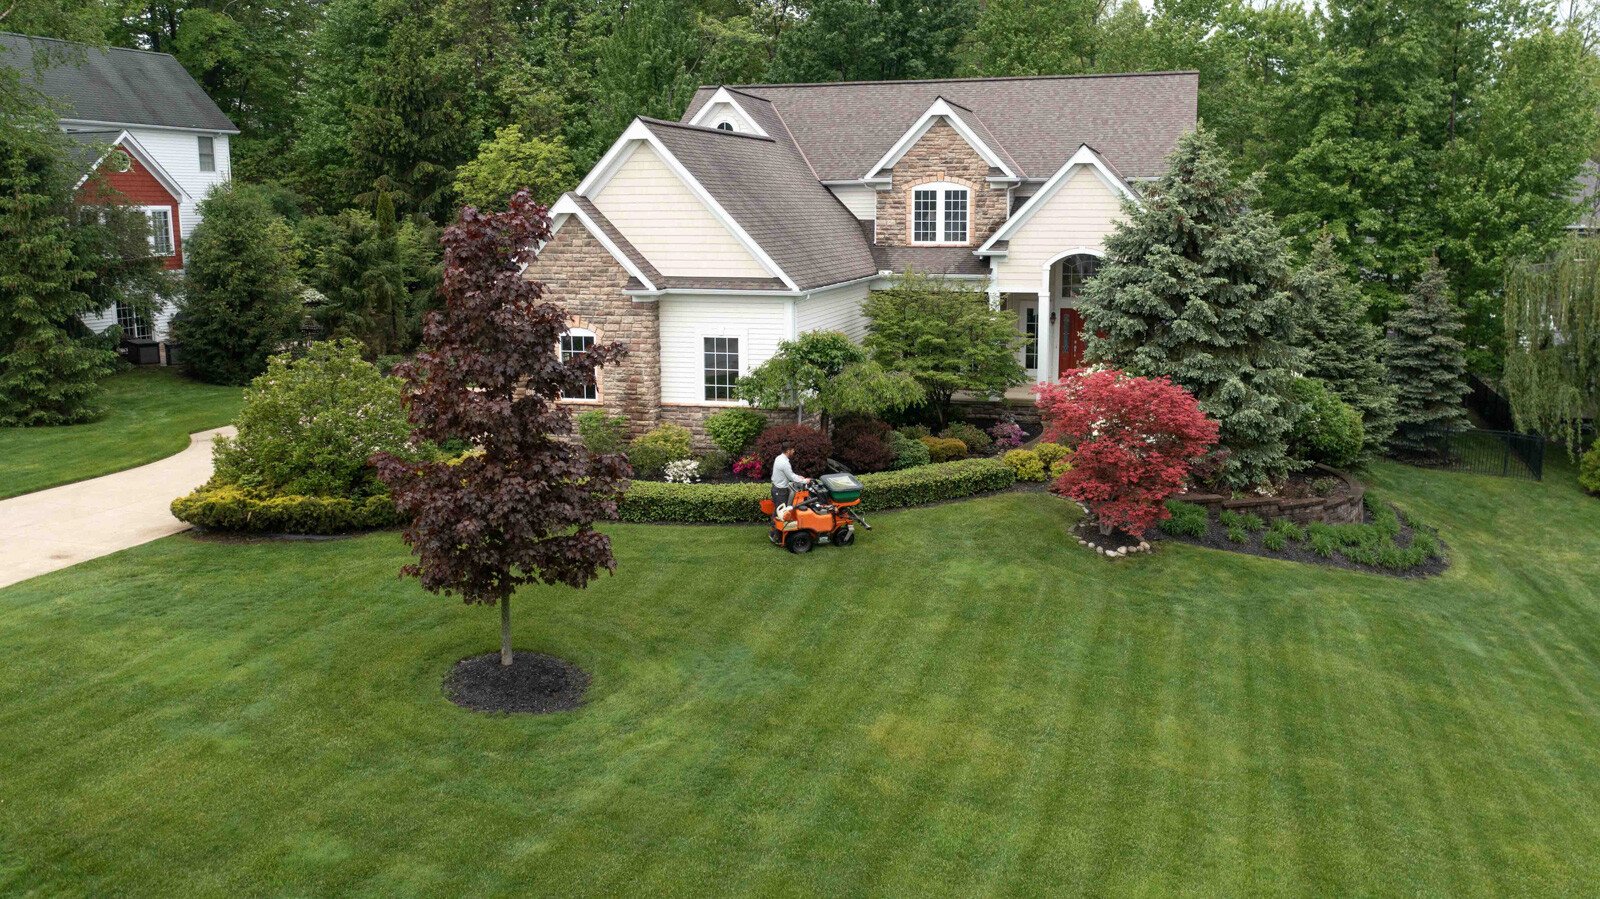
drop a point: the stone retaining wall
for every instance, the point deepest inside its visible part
(1343, 506)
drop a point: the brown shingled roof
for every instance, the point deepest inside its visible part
(1132, 120)
(772, 193)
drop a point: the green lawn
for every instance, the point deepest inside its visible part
(962, 703)
(150, 414)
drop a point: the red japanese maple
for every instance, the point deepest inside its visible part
(521, 508)
(1135, 442)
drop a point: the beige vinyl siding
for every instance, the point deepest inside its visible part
(1081, 214)
(687, 319)
(862, 201)
(833, 310)
(660, 216)
(724, 112)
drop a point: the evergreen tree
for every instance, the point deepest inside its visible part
(1193, 288)
(241, 300)
(1427, 361)
(46, 377)
(1341, 347)
(874, 40)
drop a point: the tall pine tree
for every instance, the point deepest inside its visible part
(1427, 361)
(1342, 348)
(46, 377)
(1193, 288)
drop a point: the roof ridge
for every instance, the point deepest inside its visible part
(701, 128)
(107, 48)
(794, 143)
(1165, 72)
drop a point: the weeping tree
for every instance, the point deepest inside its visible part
(520, 507)
(1552, 320)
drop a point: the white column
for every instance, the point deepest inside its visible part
(1047, 339)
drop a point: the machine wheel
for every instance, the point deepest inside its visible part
(843, 536)
(801, 542)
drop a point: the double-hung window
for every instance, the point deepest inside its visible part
(721, 367)
(162, 241)
(575, 343)
(940, 214)
(208, 153)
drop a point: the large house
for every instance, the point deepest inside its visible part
(773, 210)
(151, 135)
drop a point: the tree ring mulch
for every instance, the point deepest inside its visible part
(533, 683)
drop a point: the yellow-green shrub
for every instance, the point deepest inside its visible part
(229, 507)
(945, 449)
(1050, 453)
(1026, 463)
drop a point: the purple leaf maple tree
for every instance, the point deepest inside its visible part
(520, 506)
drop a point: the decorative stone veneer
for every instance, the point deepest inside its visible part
(941, 155)
(1343, 506)
(580, 275)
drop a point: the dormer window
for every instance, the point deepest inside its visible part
(724, 125)
(939, 214)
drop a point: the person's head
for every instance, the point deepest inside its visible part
(788, 449)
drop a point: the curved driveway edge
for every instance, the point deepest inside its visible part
(56, 528)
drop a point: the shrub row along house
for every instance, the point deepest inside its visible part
(144, 133)
(773, 210)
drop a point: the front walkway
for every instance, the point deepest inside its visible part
(56, 528)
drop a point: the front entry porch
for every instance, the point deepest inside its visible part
(1058, 345)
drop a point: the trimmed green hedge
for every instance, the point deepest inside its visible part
(228, 507)
(650, 501)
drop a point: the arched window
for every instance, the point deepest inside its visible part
(724, 125)
(1075, 273)
(939, 213)
(574, 343)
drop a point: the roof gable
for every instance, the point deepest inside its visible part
(941, 110)
(1087, 158)
(114, 86)
(1035, 123)
(92, 145)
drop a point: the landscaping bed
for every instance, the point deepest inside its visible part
(533, 683)
(1384, 540)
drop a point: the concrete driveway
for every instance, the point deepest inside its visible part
(60, 527)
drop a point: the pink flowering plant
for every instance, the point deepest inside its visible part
(748, 467)
(1007, 435)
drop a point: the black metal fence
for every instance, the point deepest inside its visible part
(1505, 454)
(1494, 409)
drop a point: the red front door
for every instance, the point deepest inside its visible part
(1071, 340)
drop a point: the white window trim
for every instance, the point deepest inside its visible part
(599, 394)
(172, 230)
(148, 326)
(740, 369)
(200, 154)
(939, 188)
(725, 96)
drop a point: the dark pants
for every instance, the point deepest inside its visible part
(780, 497)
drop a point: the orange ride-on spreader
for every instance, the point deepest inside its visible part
(827, 511)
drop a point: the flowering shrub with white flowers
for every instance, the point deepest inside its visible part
(683, 471)
(310, 424)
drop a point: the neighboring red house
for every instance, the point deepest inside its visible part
(144, 130)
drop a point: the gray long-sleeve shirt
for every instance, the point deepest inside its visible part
(783, 475)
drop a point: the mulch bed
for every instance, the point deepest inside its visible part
(533, 683)
(1216, 537)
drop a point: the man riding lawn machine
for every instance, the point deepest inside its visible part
(825, 510)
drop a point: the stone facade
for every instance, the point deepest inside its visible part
(942, 154)
(580, 274)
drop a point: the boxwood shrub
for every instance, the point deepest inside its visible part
(229, 507)
(649, 501)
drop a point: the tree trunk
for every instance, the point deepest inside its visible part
(505, 630)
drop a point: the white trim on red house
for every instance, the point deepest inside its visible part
(639, 132)
(131, 145)
(1085, 156)
(940, 109)
(723, 95)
